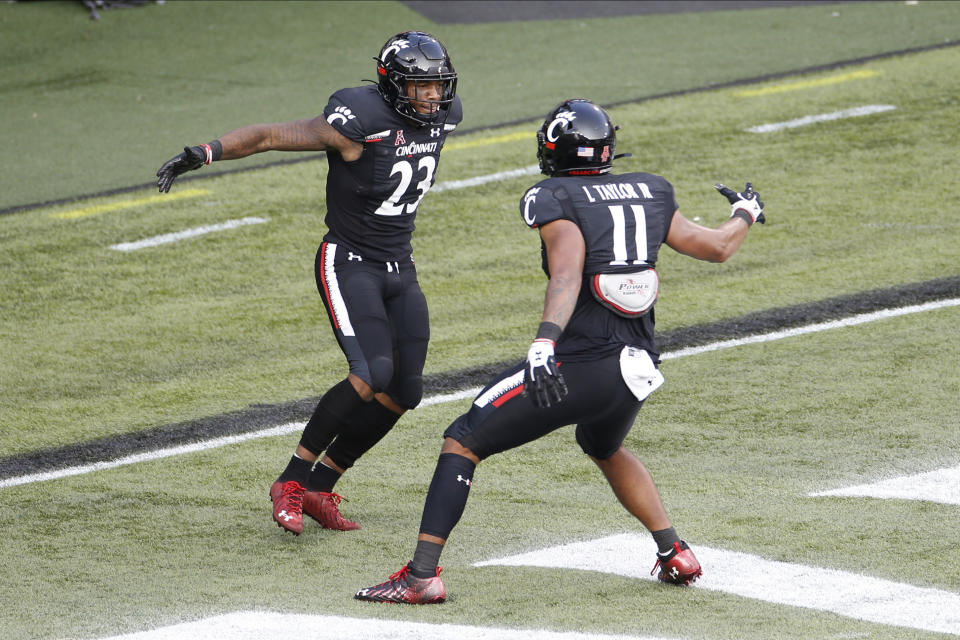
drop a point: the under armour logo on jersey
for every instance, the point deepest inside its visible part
(466, 481)
(563, 118)
(435, 132)
(400, 139)
(342, 114)
(353, 256)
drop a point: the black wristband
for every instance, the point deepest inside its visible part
(743, 215)
(549, 331)
(216, 150)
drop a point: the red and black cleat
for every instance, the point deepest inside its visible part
(287, 500)
(679, 566)
(323, 507)
(406, 588)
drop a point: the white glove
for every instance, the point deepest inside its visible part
(747, 201)
(542, 382)
(751, 206)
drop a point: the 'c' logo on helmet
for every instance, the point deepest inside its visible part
(564, 118)
(395, 46)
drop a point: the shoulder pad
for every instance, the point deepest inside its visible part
(359, 112)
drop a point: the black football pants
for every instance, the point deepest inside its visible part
(379, 316)
(598, 402)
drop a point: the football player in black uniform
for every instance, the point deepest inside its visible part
(383, 144)
(594, 360)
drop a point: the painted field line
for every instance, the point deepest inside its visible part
(204, 445)
(149, 456)
(942, 485)
(291, 427)
(847, 594)
(188, 233)
(823, 117)
(128, 204)
(807, 84)
(507, 137)
(269, 625)
(814, 328)
(450, 397)
(451, 185)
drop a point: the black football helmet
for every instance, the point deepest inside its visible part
(577, 138)
(415, 55)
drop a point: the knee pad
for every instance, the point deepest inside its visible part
(381, 372)
(409, 392)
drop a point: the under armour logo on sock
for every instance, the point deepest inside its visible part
(466, 481)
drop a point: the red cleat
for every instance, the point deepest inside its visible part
(287, 500)
(323, 507)
(404, 587)
(679, 566)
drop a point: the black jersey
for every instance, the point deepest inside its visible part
(372, 201)
(624, 219)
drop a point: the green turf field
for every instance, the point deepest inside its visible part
(98, 342)
(90, 106)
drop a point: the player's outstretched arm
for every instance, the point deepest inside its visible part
(716, 245)
(308, 134)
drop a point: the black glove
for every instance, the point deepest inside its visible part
(191, 158)
(541, 380)
(747, 201)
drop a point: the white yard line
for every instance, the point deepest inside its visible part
(847, 594)
(814, 328)
(148, 456)
(451, 185)
(188, 233)
(942, 485)
(269, 625)
(823, 117)
(291, 427)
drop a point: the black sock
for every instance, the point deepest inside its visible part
(322, 478)
(665, 539)
(425, 559)
(297, 469)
